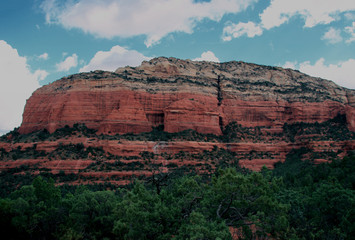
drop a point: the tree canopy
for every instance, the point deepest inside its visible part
(296, 200)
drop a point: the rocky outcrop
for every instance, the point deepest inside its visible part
(183, 94)
(167, 155)
(240, 113)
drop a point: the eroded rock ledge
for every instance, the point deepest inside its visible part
(183, 94)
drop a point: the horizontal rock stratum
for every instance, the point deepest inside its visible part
(183, 115)
(182, 94)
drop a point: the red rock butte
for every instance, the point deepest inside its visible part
(183, 94)
(241, 113)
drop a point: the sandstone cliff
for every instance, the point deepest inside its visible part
(170, 114)
(183, 94)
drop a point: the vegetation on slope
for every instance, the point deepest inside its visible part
(296, 200)
(333, 129)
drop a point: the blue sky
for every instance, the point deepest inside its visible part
(44, 40)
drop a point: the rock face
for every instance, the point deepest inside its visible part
(183, 94)
(241, 113)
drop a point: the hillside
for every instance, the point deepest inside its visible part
(177, 115)
(182, 94)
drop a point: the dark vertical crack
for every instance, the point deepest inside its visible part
(219, 91)
(221, 126)
(219, 98)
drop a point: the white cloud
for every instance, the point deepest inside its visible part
(332, 36)
(17, 83)
(68, 63)
(237, 30)
(313, 12)
(117, 57)
(154, 19)
(351, 30)
(40, 74)
(341, 73)
(291, 65)
(43, 56)
(207, 56)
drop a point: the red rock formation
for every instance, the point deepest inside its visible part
(179, 95)
(277, 152)
(185, 95)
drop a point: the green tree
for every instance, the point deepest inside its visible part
(143, 215)
(90, 215)
(36, 209)
(331, 212)
(247, 202)
(198, 227)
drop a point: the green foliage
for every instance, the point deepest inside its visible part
(297, 200)
(77, 151)
(321, 197)
(235, 132)
(90, 215)
(19, 153)
(35, 209)
(198, 227)
(245, 200)
(142, 214)
(334, 129)
(43, 135)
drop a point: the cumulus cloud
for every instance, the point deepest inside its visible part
(313, 12)
(43, 56)
(207, 56)
(68, 63)
(40, 74)
(154, 19)
(288, 64)
(351, 30)
(341, 73)
(279, 12)
(332, 36)
(117, 57)
(237, 30)
(17, 84)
